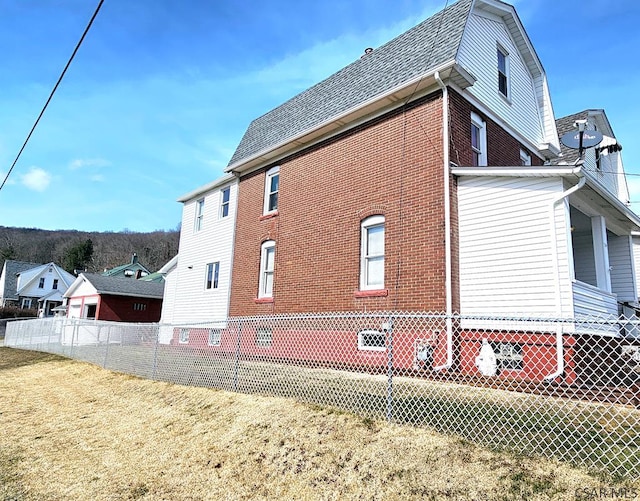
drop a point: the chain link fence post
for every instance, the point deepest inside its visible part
(388, 327)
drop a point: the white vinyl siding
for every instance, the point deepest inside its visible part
(622, 267)
(522, 109)
(506, 257)
(188, 301)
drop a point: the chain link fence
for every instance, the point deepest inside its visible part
(561, 388)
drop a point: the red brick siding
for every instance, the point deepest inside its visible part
(390, 166)
(502, 148)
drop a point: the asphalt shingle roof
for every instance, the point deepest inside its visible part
(11, 280)
(564, 125)
(125, 286)
(424, 47)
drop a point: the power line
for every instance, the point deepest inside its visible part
(86, 30)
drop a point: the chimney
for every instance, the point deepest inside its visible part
(134, 258)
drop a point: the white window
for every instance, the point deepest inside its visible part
(478, 141)
(213, 271)
(184, 335)
(264, 337)
(199, 214)
(41, 283)
(372, 253)
(371, 340)
(271, 186)
(225, 196)
(215, 336)
(26, 303)
(55, 284)
(525, 157)
(503, 72)
(508, 355)
(267, 264)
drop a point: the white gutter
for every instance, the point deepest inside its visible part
(554, 257)
(447, 222)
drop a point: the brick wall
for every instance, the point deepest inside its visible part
(502, 148)
(390, 166)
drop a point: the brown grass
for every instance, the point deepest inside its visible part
(70, 430)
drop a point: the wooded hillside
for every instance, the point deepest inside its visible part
(72, 249)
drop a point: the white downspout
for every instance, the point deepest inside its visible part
(447, 222)
(554, 257)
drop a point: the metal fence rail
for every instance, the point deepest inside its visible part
(562, 388)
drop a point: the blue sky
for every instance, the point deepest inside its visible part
(161, 91)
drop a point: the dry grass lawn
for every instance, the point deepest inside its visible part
(70, 430)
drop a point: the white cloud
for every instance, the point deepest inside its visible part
(80, 163)
(37, 179)
(97, 178)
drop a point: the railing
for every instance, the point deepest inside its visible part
(496, 387)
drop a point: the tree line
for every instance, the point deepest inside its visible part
(90, 251)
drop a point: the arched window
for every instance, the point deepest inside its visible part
(267, 262)
(372, 253)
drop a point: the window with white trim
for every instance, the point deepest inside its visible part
(184, 336)
(212, 274)
(267, 265)
(55, 284)
(264, 337)
(271, 187)
(41, 283)
(508, 355)
(503, 72)
(371, 340)
(215, 336)
(372, 253)
(478, 141)
(199, 214)
(26, 303)
(525, 157)
(225, 197)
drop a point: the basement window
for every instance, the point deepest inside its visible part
(264, 337)
(371, 340)
(508, 356)
(215, 336)
(184, 336)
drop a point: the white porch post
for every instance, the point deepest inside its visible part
(601, 253)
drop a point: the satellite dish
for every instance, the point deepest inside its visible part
(590, 138)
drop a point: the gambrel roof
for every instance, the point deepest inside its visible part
(383, 79)
(424, 48)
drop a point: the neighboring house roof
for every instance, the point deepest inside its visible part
(221, 181)
(118, 286)
(566, 124)
(31, 275)
(159, 275)
(10, 271)
(133, 266)
(417, 52)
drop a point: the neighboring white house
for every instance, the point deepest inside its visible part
(34, 286)
(197, 283)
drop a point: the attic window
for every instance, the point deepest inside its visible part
(503, 72)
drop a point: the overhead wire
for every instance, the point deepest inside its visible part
(53, 91)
